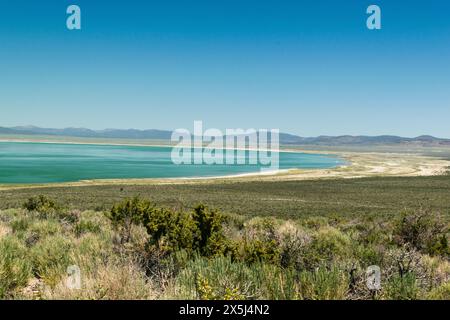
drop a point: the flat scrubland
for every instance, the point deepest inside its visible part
(348, 198)
(228, 239)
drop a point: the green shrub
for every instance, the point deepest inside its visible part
(50, 258)
(373, 233)
(41, 204)
(199, 231)
(261, 250)
(223, 278)
(15, 268)
(323, 284)
(261, 242)
(128, 212)
(405, 273)
(92, 251)
(440, 293)
(86, 226)
(315, 223)
(216, 278)
(71, 216)
(439, 246)
(276, 283)
(328, 246)
(40, 229)
(170, 230)
(209, 238)
(402, 287)
(44, 228)
(32, 230)
(422, 230)
(21, 224)
(292, 246)
(8, 215)
(367, 255)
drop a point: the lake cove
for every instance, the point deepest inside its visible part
(25, 163)
(191, 310)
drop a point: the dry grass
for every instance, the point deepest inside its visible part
(111, 282)
(4, 230)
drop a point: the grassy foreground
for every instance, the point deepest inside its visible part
(270, 240)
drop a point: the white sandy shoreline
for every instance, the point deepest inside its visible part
(286, 149)
(139, 145)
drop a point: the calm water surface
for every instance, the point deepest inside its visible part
(44, 162)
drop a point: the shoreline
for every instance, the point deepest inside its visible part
(168, 145)
(357, 165)
(283, 148)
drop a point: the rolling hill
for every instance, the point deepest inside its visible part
(285, 138)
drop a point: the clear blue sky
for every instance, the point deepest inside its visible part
(305, 67)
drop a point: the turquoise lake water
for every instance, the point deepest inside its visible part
(44, 163)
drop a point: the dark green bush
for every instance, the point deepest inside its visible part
(422, 230)
(128, 212)
(42, 204)
(170, 230)
(261, 243)
(209, 238)
(258, 250)
(439, 246)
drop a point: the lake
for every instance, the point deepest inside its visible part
(33, 162)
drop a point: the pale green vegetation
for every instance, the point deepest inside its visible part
(139, 249)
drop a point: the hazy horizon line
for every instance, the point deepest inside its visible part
(171, 130)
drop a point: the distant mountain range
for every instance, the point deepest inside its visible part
(88, 133)
(285, 138)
